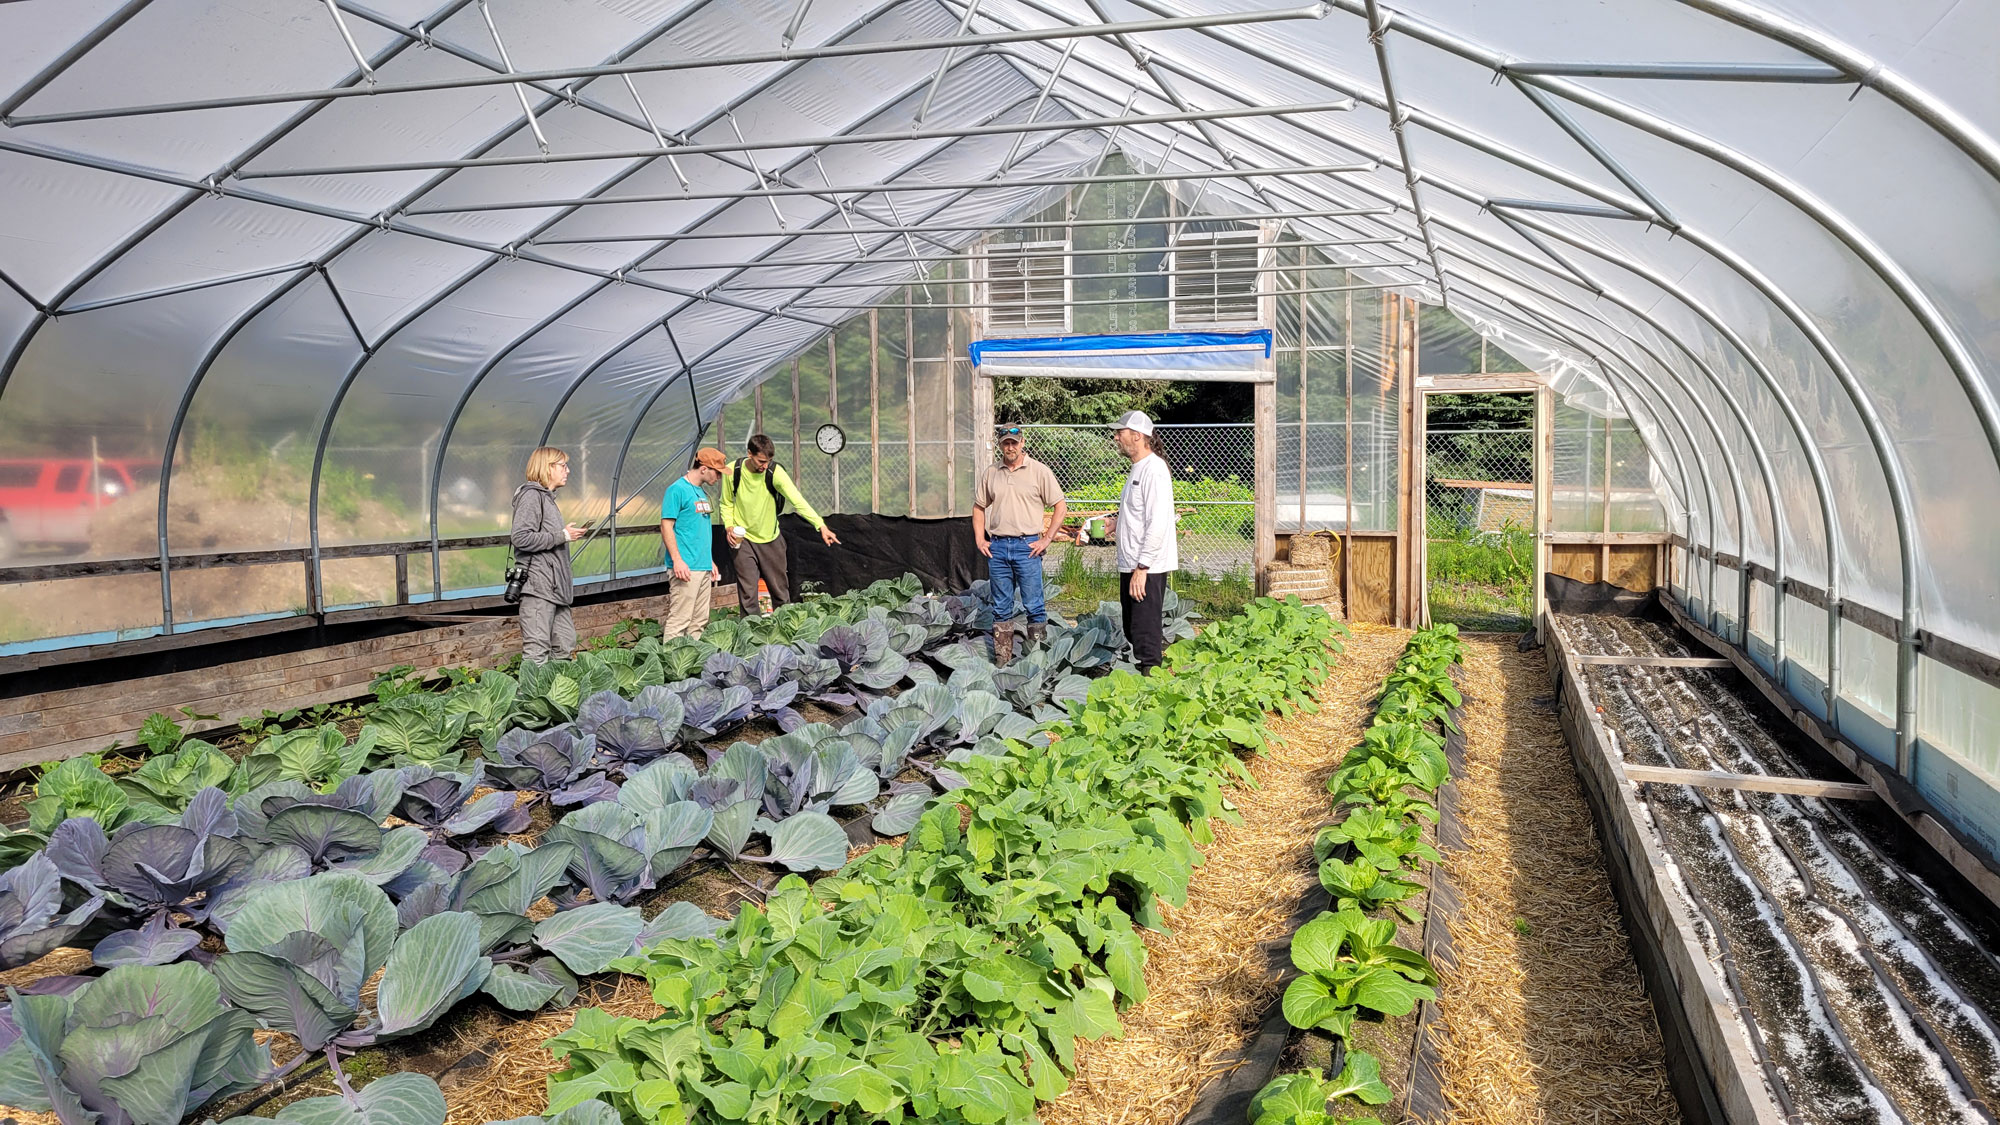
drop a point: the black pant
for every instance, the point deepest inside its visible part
(1142, 619)
(766, 561)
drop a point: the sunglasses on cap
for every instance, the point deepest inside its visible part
(1011, 432)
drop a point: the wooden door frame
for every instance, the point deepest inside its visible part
(1543, 452)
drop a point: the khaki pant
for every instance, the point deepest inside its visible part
(688, 605)
(546, 631)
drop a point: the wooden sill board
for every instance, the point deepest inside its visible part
(1656, 661)
(1760, 783)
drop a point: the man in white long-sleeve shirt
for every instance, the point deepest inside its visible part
(1147, 547)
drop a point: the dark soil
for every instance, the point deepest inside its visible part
(1854, 970)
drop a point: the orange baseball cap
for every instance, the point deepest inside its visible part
(710, 457)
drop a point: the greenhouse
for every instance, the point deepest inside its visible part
(1504, 638)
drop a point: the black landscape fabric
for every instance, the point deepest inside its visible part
(1567, 595)
(940, 552)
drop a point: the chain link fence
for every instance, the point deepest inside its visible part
(1213, 469)
(1478, 480)
(1479, 512)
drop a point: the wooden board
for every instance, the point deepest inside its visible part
(1651, 538)
(1757, 783)
(50, 726)
(1371, 573)
(1632, 566)
(1657, 661)
(1575, 561)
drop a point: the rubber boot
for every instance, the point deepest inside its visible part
(1003, 643)
(1038, 634)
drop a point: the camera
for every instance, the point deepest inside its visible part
(517, 577)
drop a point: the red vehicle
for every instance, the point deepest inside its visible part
(51, 501)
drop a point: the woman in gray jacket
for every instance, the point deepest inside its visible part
(541, 543)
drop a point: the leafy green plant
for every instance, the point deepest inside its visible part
(396, 683)
(160, 734)
(1351, 964)
(141, 1045)
(170, 779)
(269, 722)
(1380, 872)
(319, 757)
(78, 787)
(1303, 1099)
(416, 730)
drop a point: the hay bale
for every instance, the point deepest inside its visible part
(1312, 585)
(1315, 549)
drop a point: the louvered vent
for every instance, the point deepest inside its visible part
(1027, 287)
(1215, 277)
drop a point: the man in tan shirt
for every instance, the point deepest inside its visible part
(1010, 524)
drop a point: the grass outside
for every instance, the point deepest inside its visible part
(1085, 584)
(1481, 581)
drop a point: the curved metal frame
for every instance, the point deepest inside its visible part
(512, 129)
(1807, 441)
(1755, 443)
(1809, 448)
(1863, 403)
(1693, 447)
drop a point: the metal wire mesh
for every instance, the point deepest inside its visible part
(1213, 469)
(1478, 480)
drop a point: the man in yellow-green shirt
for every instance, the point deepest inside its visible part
(754, 490)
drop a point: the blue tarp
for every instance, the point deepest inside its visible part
(1134, 344)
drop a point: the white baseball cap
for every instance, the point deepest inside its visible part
(1136, 421)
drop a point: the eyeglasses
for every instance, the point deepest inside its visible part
(1011, 432)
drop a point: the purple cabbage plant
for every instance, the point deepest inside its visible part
(708, 710)
(443, 806)
(771, 677)
(152, 873)
(869, 663)
(555, 763)
(632, 732)
(35, 919)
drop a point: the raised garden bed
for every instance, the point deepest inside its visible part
(1857, 973)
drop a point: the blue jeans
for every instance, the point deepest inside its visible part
(1011, 567)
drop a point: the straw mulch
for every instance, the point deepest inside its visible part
(1207, 980)
(1544, 1019)
(514, 1079)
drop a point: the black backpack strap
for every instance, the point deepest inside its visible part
(770, 483)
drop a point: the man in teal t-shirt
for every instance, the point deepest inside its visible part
(685, 527)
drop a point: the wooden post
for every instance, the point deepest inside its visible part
(874, 412)
(833, 409)
(910, 388)
(1544, 457)
(1265, 521)
(1409, 462)
(950, 403)
(1604, 549)
(403, 578)
(1347, 453)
